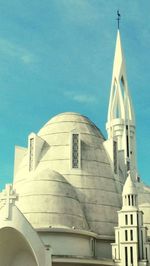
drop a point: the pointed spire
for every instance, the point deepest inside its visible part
(129, 187)
(119, 61)
(121, 122)
(129, 193)
(120, 105)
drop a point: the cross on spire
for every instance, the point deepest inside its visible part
(7, 197)
(118, 18)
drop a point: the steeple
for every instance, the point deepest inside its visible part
(120, 121)
(120, 105)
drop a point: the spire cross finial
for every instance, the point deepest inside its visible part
(118, 18)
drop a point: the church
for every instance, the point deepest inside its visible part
(76, 197)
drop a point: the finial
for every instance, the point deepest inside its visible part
(118, 18)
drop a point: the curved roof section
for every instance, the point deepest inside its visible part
(98, 192)
(48, 200)
(72, 121)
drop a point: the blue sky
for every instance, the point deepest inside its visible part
(57, 56)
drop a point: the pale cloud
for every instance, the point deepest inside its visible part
(13, 50)
(27, 58)
(80, 97)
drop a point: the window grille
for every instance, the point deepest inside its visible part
(75, 151)
(115, 156)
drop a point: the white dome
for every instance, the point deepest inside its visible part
(48, 200)
(98, 194)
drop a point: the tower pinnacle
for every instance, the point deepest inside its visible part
(120, 105)
(120, 121)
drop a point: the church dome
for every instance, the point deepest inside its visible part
(96, 194)
(48, 200)
(69, 121)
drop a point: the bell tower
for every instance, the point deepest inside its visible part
(120, 125)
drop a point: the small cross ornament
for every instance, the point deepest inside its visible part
(7, 198)
(118, 18)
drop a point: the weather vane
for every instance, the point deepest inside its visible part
(118, 18)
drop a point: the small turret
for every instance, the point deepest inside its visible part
(131, 245)
(129, 194)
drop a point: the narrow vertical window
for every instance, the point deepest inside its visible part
(126, 219)
(93, 246)
(75, 151)
(118, 245)
(137, 219)
(131, 218)
(131, 235)
(131, 255)
(126, 235)
(127, 141)
(138, 237)
(146, 253)
(115, 156)
(142, 244)
(126, 256)
(129, 200)
(132, 199)
(31, 151)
